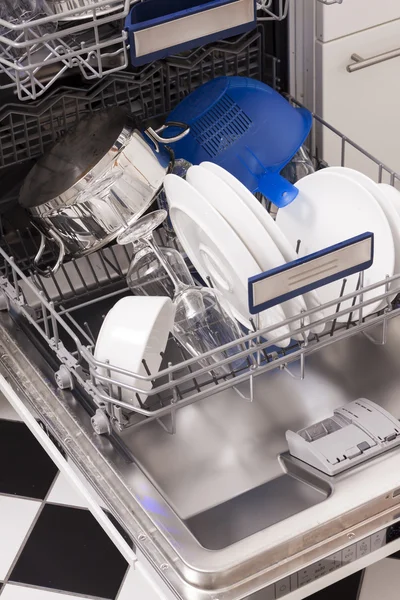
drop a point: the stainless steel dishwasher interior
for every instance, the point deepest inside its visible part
(222, 467)
(220, 494)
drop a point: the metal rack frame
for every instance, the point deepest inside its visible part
(26, 130)
(184, 381)
(272, 10)
(29, 45)
(277, 10)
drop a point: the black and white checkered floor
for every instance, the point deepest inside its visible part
(51, 548)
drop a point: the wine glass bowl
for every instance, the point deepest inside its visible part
(202, 322)
(147, 276)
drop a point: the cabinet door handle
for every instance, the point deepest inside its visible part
(362, 63)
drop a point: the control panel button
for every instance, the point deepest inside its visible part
(363, 547)
(293, 582)
(378, 540)
(321, 569)
(349, 554)
(334, 561)
(282, 587)
(269, 593)
(306, 575)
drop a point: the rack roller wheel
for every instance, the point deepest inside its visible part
(64, 378)
(101, 423)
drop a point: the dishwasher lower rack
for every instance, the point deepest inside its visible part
(65, 311)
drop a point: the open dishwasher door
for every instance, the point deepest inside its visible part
(213, 499)
(199, 476)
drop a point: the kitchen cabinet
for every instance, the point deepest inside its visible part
(338, 20)
(363, 104)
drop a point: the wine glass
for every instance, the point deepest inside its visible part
(147, 276)
(300, 166)
(202, 323)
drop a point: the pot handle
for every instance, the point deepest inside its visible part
(61, 254)
(157, 139)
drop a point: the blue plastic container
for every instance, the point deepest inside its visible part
(246, 127)
(159, 28)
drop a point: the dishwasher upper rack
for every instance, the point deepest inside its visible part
(151, 93)
(181, 381)
(28, 45)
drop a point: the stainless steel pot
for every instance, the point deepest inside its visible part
(100, 177)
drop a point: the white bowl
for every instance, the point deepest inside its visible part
(135, 329)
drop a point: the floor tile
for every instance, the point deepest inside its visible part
(69, 551)
(16, 517)
(345, 588)
(381, 580)
(28, 470)
(63, 492)
(18, 592)
(137, 587)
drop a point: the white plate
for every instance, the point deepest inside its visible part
(136, 328)
(385, 199)
(392, 195)
(288, 252)
(329, 209)
(248, 228)
(216, 251)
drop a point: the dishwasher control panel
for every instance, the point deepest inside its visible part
(356, 432)
(329, 564)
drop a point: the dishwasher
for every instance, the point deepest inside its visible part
(199, 475)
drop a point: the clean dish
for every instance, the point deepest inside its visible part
(217, 252)
(391, 194)
(311, 299)
(244, 222)
(332, 208)
(386, 203)
(135, 329)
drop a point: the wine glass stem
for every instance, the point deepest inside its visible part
(178, 285)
